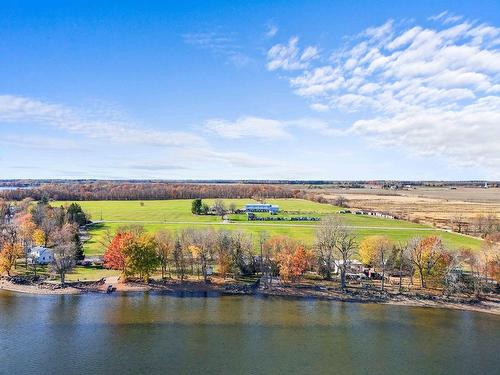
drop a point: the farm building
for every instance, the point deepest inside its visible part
(262, 207)
(41, 255)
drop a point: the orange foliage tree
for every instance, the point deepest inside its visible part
(115, 257)
(9, 255)
(292, 257)
(426, 256)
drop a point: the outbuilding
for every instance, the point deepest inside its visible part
(262, 207)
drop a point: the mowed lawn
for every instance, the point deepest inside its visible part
(175, 215)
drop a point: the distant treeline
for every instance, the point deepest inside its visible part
(339, 183)
(146, 191)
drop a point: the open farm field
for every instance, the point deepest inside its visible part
(433, 206)
(176, 215)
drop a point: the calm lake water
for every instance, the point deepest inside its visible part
(158, 334)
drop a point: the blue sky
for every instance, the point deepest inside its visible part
(250, 90)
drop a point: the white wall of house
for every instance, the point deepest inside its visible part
(41, 255)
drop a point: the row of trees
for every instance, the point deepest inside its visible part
(29, 224)
(482, 225)
(219, 207)
(137, 253)
(429, 260)
(109, 190)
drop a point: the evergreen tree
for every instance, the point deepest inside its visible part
(79, 254)
(196, 206)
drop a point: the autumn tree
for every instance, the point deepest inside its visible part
(114, 256)
(271, 247)
(489, 257)
(301, 262)
(425, 256)
(48, 219)
(9, 254)
(375, 251)
(26, 228)
(292, 259)
(39, 237)
(223, 244)
(201, 246)
(165, 247)
(401, 259)
(141, 256)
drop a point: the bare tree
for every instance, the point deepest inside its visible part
(219, 207)
(341, 201)
(327, 236)
(241, 250)
(64, 259)
(201, 244)
(165, 246)
(402, 259)
(335, 245)
(180, 259)
(222, 247)
(64, 252)
(345, 249)
(458, 223)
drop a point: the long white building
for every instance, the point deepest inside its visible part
(262, 207)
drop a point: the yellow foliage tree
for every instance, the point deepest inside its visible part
(369, 249)
(374, 250)
(38, 237)
(9, 255)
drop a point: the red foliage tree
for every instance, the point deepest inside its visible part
(114, 257)
(292, 258)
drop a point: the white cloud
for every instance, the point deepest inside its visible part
(272, 30)
(290, 56)
(319, 107)
(41, 142)
(248, 127)
(107, 125)
(96, 125)
(445, 17)
(224, 45)
(265, 128)
(432, 91)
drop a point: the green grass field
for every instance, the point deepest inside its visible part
(176, 215)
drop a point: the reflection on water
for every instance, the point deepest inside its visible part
(159, 334)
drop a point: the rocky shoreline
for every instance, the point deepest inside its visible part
(197, 288)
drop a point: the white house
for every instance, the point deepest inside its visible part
(41, 255)
(353, 265)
